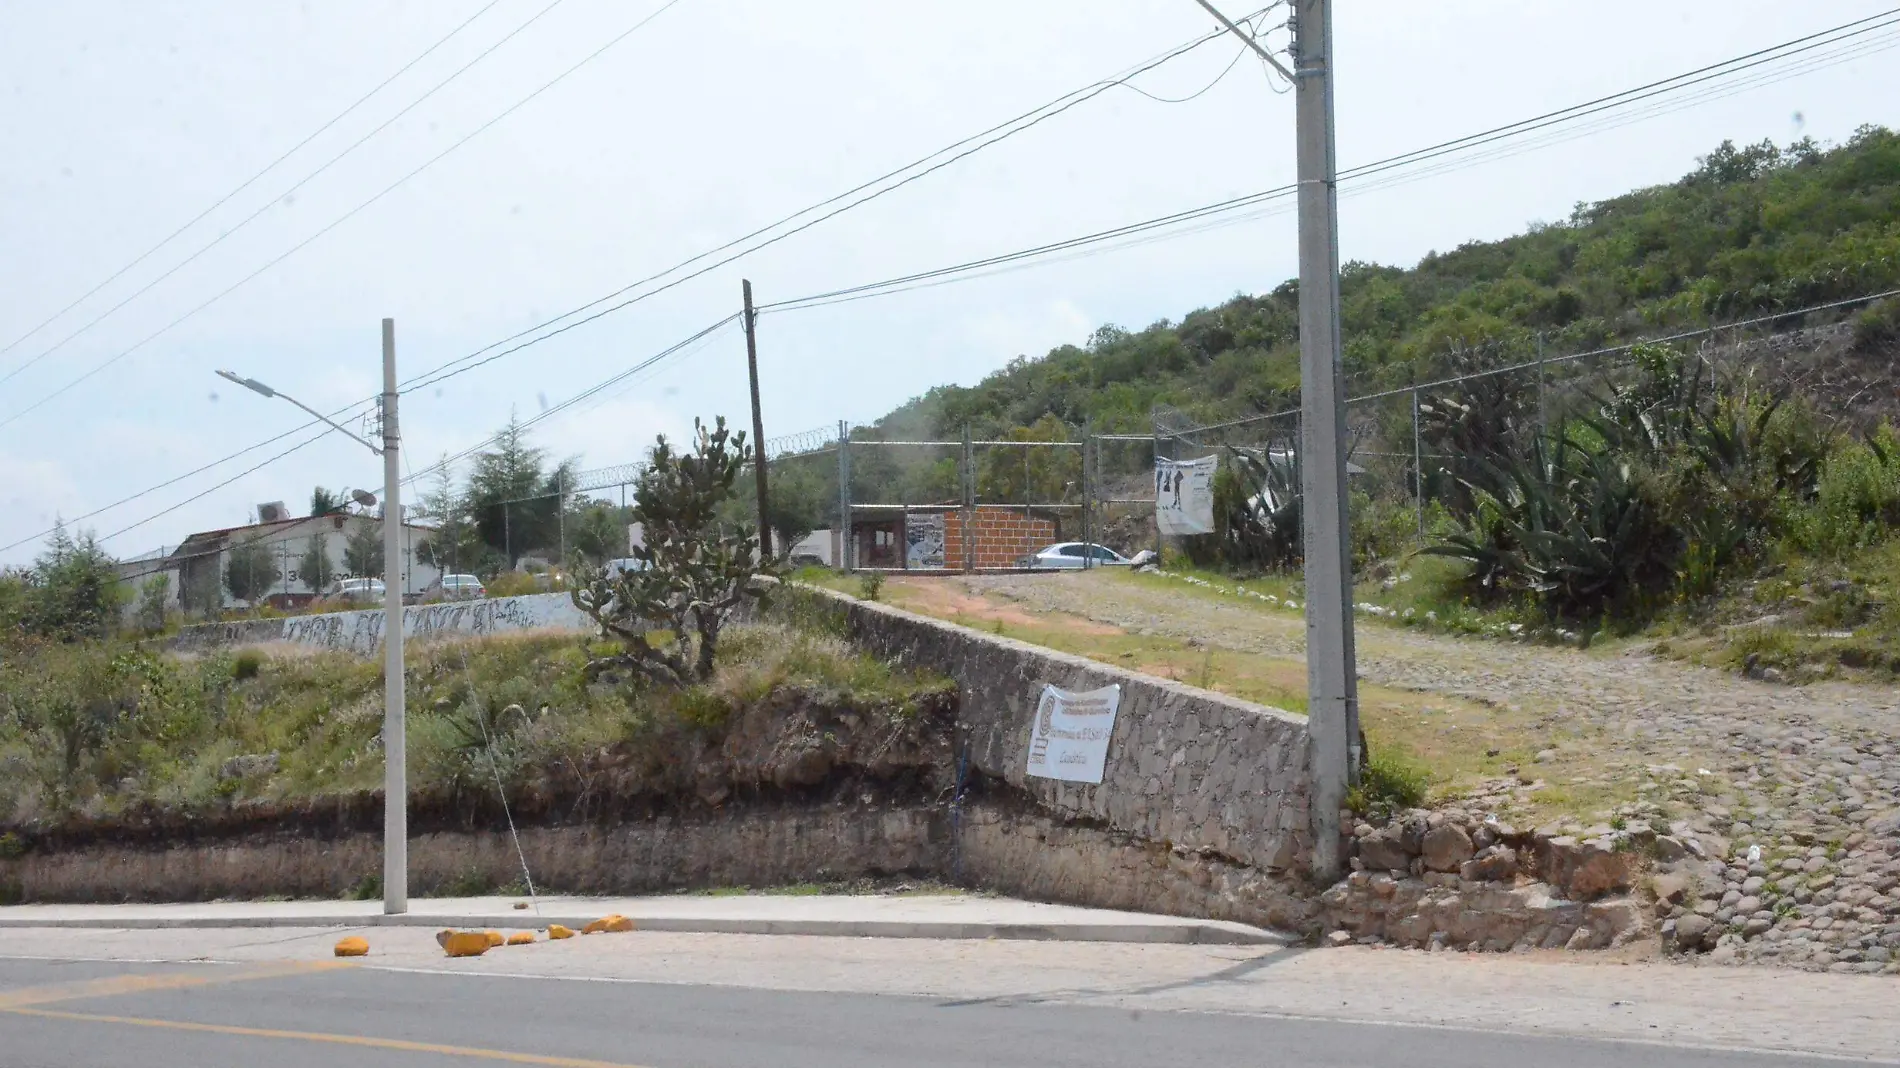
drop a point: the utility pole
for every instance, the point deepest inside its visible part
(395, 747)
(1332, 691)
(1332, 714)
(758, 420)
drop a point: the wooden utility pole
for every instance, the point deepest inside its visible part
(758, 420)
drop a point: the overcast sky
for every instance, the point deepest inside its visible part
(122, 121)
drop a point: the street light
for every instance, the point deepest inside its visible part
(395, 748)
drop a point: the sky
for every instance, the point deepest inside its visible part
(124, 121)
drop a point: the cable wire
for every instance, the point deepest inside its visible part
(955, 151)
(346, 216)
(246, 184)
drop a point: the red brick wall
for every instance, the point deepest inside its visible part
(1003, 536)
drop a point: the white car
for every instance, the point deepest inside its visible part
(1072, 555)
(356, 590)
(455, 588)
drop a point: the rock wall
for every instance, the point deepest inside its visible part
(1188, 770)
(361, 632)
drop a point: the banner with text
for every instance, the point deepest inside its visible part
(1070, 737)
(1184, 495)
(924, 540)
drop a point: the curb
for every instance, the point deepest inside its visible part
(1137, 933)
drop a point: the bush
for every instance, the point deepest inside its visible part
(246, 664)
(870, 585)
(1388, 783)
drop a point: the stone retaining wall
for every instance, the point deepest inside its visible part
(1188, 770)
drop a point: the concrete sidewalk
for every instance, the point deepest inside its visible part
(849, 916)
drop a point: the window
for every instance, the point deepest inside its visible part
(1069, 550)
(1104, 553)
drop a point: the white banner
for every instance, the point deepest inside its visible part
(1184, 495)
(1070, 737)
(923, 540)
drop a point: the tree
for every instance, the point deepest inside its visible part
(512, 500)
(363, 551)
(691, 574)
(249, 571)
(315, 567)
(151, 604)
(455, 547)
(597, 532)
(73, 591)
(799, 503)
(324, 502)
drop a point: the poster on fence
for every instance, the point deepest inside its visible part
(1184, 495)
(1069, 739)
(924, 540)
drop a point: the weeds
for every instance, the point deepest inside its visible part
(1388, 783)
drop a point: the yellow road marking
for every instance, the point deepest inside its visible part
(360, 1041)
(143, 984)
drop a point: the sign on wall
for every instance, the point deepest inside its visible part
(1069, 739)
(1184, 495)
(924, 540)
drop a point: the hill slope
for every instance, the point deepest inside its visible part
(1752, 230)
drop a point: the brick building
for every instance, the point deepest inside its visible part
(999, 537)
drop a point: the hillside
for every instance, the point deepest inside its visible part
(1750, 231)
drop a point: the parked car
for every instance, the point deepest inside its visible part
(1071, 555)
(455, 588)
(355, 591)
(614, 568)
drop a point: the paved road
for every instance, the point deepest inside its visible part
(310, 1013)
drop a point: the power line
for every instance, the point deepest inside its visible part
(346, 216)
(248, 182)
(1574, 112)
(936, 276)
(955, 151)
(417, 383)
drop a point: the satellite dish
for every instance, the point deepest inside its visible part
(367, 500)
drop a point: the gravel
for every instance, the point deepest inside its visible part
(1810, 774)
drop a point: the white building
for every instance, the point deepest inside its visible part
(197, 568)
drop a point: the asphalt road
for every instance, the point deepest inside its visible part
(305, 1015)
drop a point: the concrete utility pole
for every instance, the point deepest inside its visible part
(1332, 713)
(395, 730)
(758, 420)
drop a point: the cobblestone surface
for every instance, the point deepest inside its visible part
(1803, 780)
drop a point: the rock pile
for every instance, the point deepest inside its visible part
(1455, 879)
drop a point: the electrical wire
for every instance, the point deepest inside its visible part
(433, 376)
(921, 279)
(248, 182)
(1443, 149)
(346, 216)
(956, 151)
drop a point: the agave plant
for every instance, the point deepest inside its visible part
(1572, 526)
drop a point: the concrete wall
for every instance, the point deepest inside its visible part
(362, 632)
(1189, 769)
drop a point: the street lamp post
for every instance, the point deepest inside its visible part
(395, 770)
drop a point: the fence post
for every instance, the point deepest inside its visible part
(1154, 479)
(969, 501)
(1543, 418)
(1418, 467)
(1088, 552)
(845, 539)
(507, 537)
(560, 513)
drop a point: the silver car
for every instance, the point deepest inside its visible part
(1073, 556)
(455, 588)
